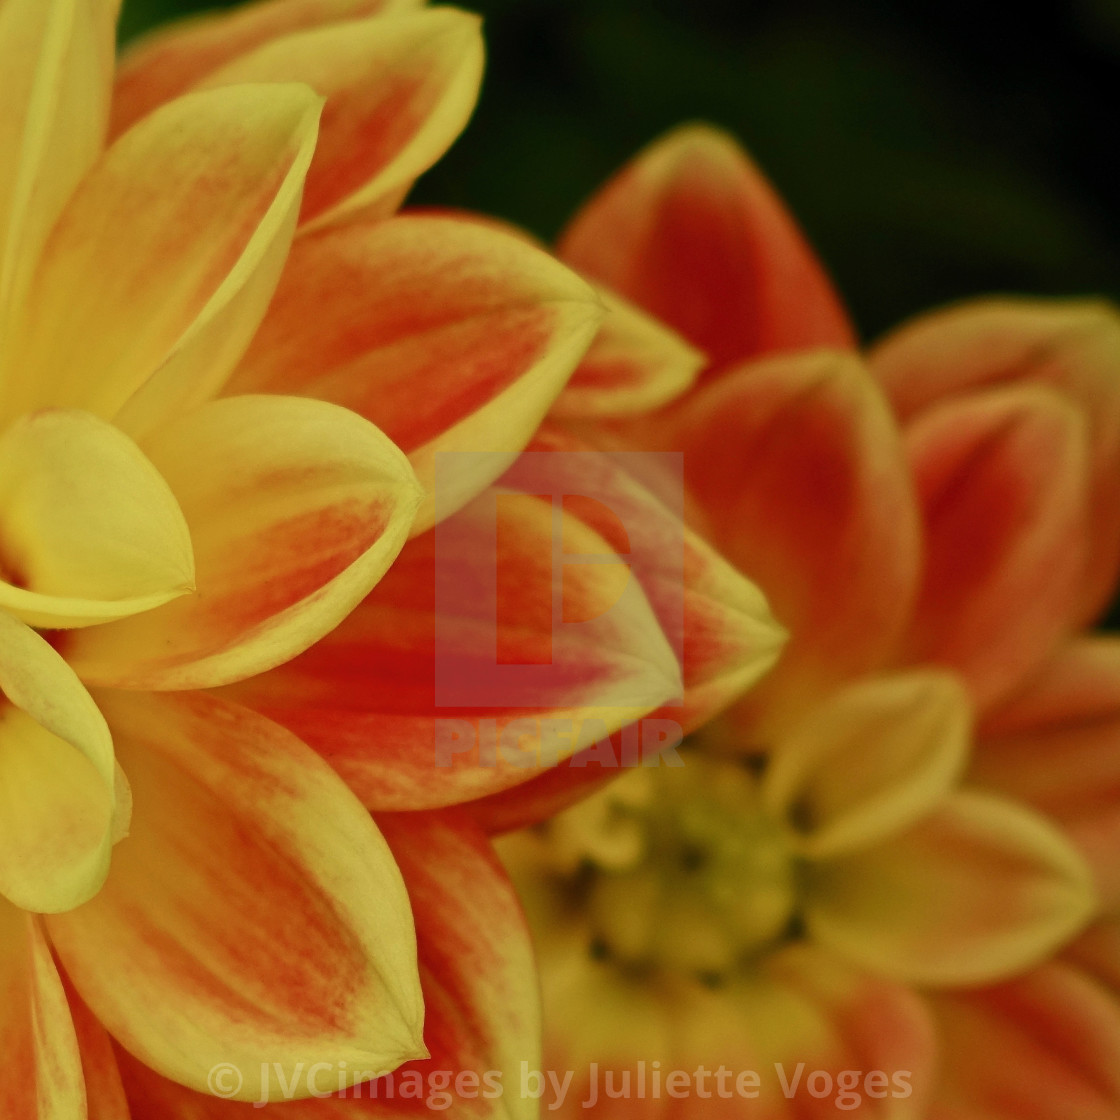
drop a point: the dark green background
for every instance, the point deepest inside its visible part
(931, 150)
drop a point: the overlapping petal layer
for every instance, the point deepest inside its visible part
(310, 954)
(296, 508)
(407, 698)
(799, 471)
(173, 59)
(1001, 479)
(692, 232)
(1069, 346)
(449, 335)
(175, 221)
(91, 531)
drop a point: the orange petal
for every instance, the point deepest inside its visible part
(799, 470)
(296, 508)
(253, 916)
(185, 223)
(56, 67)
(399, 90)
(635, 365)
(874, 757)
(1071, 346)
(408, 698)
(1002, 482)
(449, 335)
(692, 232)
(978, 891)
(91, 531)
(105, 1097)
(44, 1070)
(57, 778)
(1056, 746)
(175, 57)
(1045, 1045)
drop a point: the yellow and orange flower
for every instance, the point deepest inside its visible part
(226, 371)
(880, 859)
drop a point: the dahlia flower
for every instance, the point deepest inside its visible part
(226, 372)
(867, 886)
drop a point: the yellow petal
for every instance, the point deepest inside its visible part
(56, 67)
(254, 915)
(399, 90)
(870, 760)
(296, 508)
(978, 891)
(57, 777)
(183, 222)
(89, 531)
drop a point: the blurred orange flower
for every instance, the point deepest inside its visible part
(870, 866)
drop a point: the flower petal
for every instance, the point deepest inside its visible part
(1044, 1045)
(1056, 746)
(692, 232)
(105, 1098)
(56, 67)
(1002, 483)
(399, 90)
(296, 508)
(57, 777)
(44, 1081)
(412, 699)
(449, 335)
(91, 531)
(168, 61)
(254, 915)
(979, 890)
(636, 364)
(1071, 346)
(184, 222)
(798, 468)
(871, 759)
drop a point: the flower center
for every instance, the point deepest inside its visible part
(679, 870)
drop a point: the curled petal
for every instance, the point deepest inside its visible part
(184, 222)
(979, 890)
(798, 468)
(454, 679)
(296, 508)
(91, 532)
(1044, 1045)
(399, 90)
(57, 778)
(35, 1028)
(873, 758)
(1056, 746)
(635, 365)
(449, 335)
(1070, 346)
(692, 232)
(254, 915)
(1002, 483)
(174, 58)
(56, 66)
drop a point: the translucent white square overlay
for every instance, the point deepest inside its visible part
(467, 587)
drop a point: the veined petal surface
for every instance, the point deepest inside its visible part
(449, 335)
(296, 508)
(253, 916)
(166, 229)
